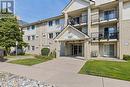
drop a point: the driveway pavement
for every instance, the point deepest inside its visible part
(63, 73)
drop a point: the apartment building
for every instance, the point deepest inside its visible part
(96, 29)
(40, 34)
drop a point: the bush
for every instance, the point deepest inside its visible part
(126, 57)
(45, 51)
(21, 53)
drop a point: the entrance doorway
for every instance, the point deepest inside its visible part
(77, 49)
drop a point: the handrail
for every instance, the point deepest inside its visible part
(77, 20)
(102, 35)
(102, 18)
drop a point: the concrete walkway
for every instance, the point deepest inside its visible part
(63, 73)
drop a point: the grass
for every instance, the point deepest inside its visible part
(11, 57)
(30, 62)
(110, 69)
(8, 57)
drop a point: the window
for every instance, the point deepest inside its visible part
(50, 23)
(33, 37)
(57, 33)
(110, 32)
(33, 27)
(109, 15)
(44, 35)
(28, 38)
(33, 48)
(51, 35)
(84, 30)
(37, 36)
(28, 47)
(57, 22)
(28, 28)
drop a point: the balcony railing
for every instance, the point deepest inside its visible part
(103, 17)
(78, 20)
(104, 36)
(109, 15)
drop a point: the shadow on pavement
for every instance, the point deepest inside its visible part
(3, 59)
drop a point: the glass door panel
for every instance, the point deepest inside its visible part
(109, 50)
(77, 50)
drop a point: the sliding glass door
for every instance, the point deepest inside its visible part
(108, 50)
(110, 33)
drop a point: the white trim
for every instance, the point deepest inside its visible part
(85, 36)
(71, 2)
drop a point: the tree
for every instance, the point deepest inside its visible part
(10, 33)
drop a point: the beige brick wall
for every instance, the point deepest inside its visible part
(126, 37)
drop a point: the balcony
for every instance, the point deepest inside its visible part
(107, 16)
(100, 36)
(78, 20)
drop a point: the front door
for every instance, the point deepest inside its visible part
(77, 49)
(109, 50)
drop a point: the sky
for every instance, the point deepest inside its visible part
(34, 10)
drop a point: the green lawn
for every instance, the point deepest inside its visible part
(30, 62)
(116, 70)
(13, 57)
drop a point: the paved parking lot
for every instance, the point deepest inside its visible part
(63, 73)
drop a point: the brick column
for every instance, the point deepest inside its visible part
(66, 20)
(120, 29)
(57, 49)
(86, 50)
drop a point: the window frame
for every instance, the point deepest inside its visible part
(28, 47)
(57, 33)
(33, 27)
(33, 48)
(57, 21)
(33, 37)
(28, 38)
(50, 35)
(50, 23)
(28, 28)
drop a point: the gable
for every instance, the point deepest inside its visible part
(76, 5)
(70, 33)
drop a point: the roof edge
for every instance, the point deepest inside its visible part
(42, 21)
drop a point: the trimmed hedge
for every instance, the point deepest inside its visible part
(126, 57)
(45, 51)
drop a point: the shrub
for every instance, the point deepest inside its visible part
(126, 57)
(45, 51)
(21, 53)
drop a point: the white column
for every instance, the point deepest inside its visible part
(86, 49)
(57, 49)
(66, 19)
(89, 21)
(120, 28)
